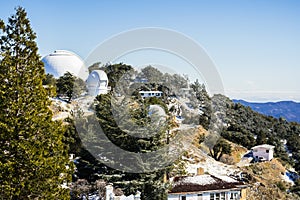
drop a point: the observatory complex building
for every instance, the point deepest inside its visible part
(61, 61)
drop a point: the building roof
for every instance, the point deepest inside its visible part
(265, 146)
(201, 183)
(62, 61)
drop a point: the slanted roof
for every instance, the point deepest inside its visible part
(201, 183)
(264, 146)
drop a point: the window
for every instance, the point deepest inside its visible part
(267, 151)
(233, 196)
(199, 196)
(218, 196)
(222, 196)
(183, 197)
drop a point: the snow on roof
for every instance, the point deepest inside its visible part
(199, 180)
(265, 146)
(200, 183)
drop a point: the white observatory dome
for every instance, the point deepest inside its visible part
(62, 61)
(97, 83)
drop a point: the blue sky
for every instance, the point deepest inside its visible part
(255, 44)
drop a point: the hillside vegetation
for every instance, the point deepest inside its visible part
(248, 128)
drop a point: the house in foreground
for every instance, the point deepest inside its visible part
(207, 187)
(263, 152)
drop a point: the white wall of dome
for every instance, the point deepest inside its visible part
(97, 83)
(62, 61)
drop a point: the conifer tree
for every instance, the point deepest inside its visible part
(34, 160)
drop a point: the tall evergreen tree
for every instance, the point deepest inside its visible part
(70, 86)
(33, 157)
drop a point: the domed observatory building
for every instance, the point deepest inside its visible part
(61, 61)
(97, 83)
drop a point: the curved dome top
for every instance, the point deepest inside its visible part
(97, 78)
(62, 61)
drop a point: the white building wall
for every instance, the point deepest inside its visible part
(173, 197)
(97, 83)
(262, 152)
(145, 94)
(205, 196)
(94, 91)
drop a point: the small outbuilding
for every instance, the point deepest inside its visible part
(263, 152)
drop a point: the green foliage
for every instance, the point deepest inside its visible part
(49, 80)
(220, 148)
(205, 104)
(69, 86)
(150, 184)
(115, 73)
(71, 137)
(156, 101)
(281, 186)
(153, 75)
(243, 124)
(296, 188)
(49, 84)
(239, 135)
(34, 160)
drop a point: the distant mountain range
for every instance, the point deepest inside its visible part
(289, 110)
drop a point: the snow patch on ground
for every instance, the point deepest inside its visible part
(210, 166)
(290, 177)
(226, 179)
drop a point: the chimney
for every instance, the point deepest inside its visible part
(200, 171)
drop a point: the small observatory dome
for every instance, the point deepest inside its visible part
(62, 61)
(97, 83)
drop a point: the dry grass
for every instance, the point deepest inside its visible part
(266, 181)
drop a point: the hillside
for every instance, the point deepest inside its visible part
(289, 110)
(267, 181)
(208, 117)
